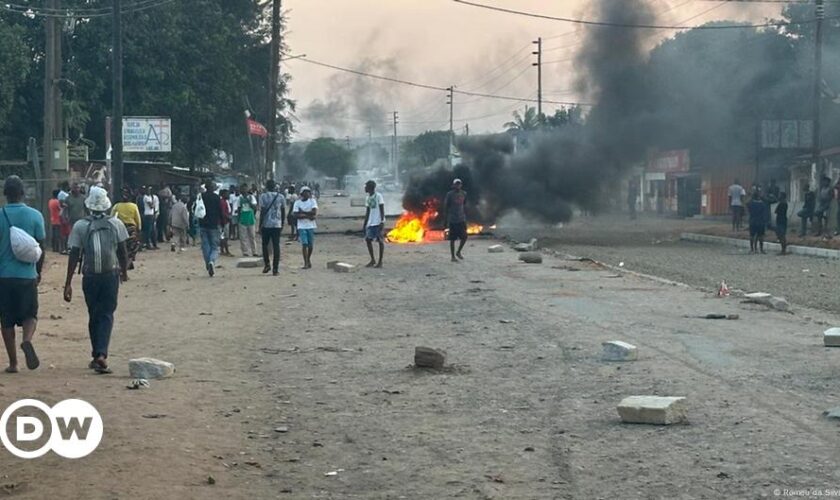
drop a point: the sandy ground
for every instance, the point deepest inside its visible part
(525, 409)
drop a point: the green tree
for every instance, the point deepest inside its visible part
(523, 122)
(15, 65)
(329, 157)
(428, 147)
(564, 116)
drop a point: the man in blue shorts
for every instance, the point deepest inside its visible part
(305, 211)
(19, 280)
(374, 222)
(456, 218)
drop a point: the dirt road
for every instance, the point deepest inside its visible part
(282, 382)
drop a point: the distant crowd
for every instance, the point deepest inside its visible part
(767, 208)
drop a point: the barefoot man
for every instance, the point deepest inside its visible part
(19, 280)
(456, 218)
(374, 222)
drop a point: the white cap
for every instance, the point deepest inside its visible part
(97, 200)
(305, 188)
(457, 181)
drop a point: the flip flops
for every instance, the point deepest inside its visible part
(32, 361)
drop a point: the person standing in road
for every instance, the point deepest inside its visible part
(150, 212)
(456, 218)
(757, 208)
(306, 211)
(374, 227)
(19, 280)
(179, 221)
(98, 242)
(736, 204)
(272, 213)
(824, 197)
(165, 201)
(291, 198)
(234, 199)
(806, 214)
(54, 206)
(782, 221)
(224, 196)
(247, 223)
(210, 227)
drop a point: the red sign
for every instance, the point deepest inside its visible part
(669, 162)
(256, 128)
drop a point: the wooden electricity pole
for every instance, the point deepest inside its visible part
(274, 84)
(117, 173)
(818, 89)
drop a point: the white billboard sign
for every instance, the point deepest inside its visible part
(147, 134)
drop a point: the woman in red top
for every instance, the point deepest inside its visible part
(55, 223)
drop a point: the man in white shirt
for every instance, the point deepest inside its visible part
(374, 222)
(234, 200)
(736, 203)
(306, 210)
(151, 209)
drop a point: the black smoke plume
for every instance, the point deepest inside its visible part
(555, 171)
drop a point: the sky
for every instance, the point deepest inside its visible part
(443, 43)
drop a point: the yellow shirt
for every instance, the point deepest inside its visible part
(128, 213)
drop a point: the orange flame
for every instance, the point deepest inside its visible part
(412, 227)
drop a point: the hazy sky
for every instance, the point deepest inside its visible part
(442, 43)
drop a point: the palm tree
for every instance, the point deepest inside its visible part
(524, 122)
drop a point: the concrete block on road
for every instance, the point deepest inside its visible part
(496, 249)
(341, 267)
(616, 350)
(249, 263)
(150, 368)
(426, 357)
(331, 264)
(357, 202)
(765, 299)
(654, 410)
(531, 258)
(831, 337)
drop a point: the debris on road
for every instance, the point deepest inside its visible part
(768, 300)
(526, 247)
(531, 258)
(723, 290)
(495, 249)
(342, 267)
(426, 357)
(150, 368)
(138, 383)
(331, 264)
(211, 480)
(249, 263)
(655, 410)
(832, 413)
(831, 337)
(616, 350)
(730, 317)
(282, 429)
(333, 473)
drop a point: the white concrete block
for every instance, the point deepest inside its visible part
(249, 263)
(496, 249)
(341, 267)
(531, 257)
(655, 410)
(150, 368)
(831, 337)
(616, 350)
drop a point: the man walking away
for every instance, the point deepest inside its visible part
(179, 220)
(98, 241)
(165, 200)
(305, 211)
(272, 213)
(210, 227)
(19, 280)
(806, 214)
(247, 223)
(456, 218)
(782, 221)
(736, 204)
(128, 213)
(758, 220)
(374, 222)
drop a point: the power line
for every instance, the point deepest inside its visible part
(608, 24)
(27, 10)
(434, 87)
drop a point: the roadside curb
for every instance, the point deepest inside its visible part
(825, 253)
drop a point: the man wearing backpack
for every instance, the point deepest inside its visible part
(210, 224)
(98, 241)
(19, 280)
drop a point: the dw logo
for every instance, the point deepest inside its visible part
(74, 428)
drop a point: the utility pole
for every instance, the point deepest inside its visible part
(117, 173)
(394, 151)
(49, 96)
(274, 83)
(817, 88)
(451, 102)
(538, 64)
